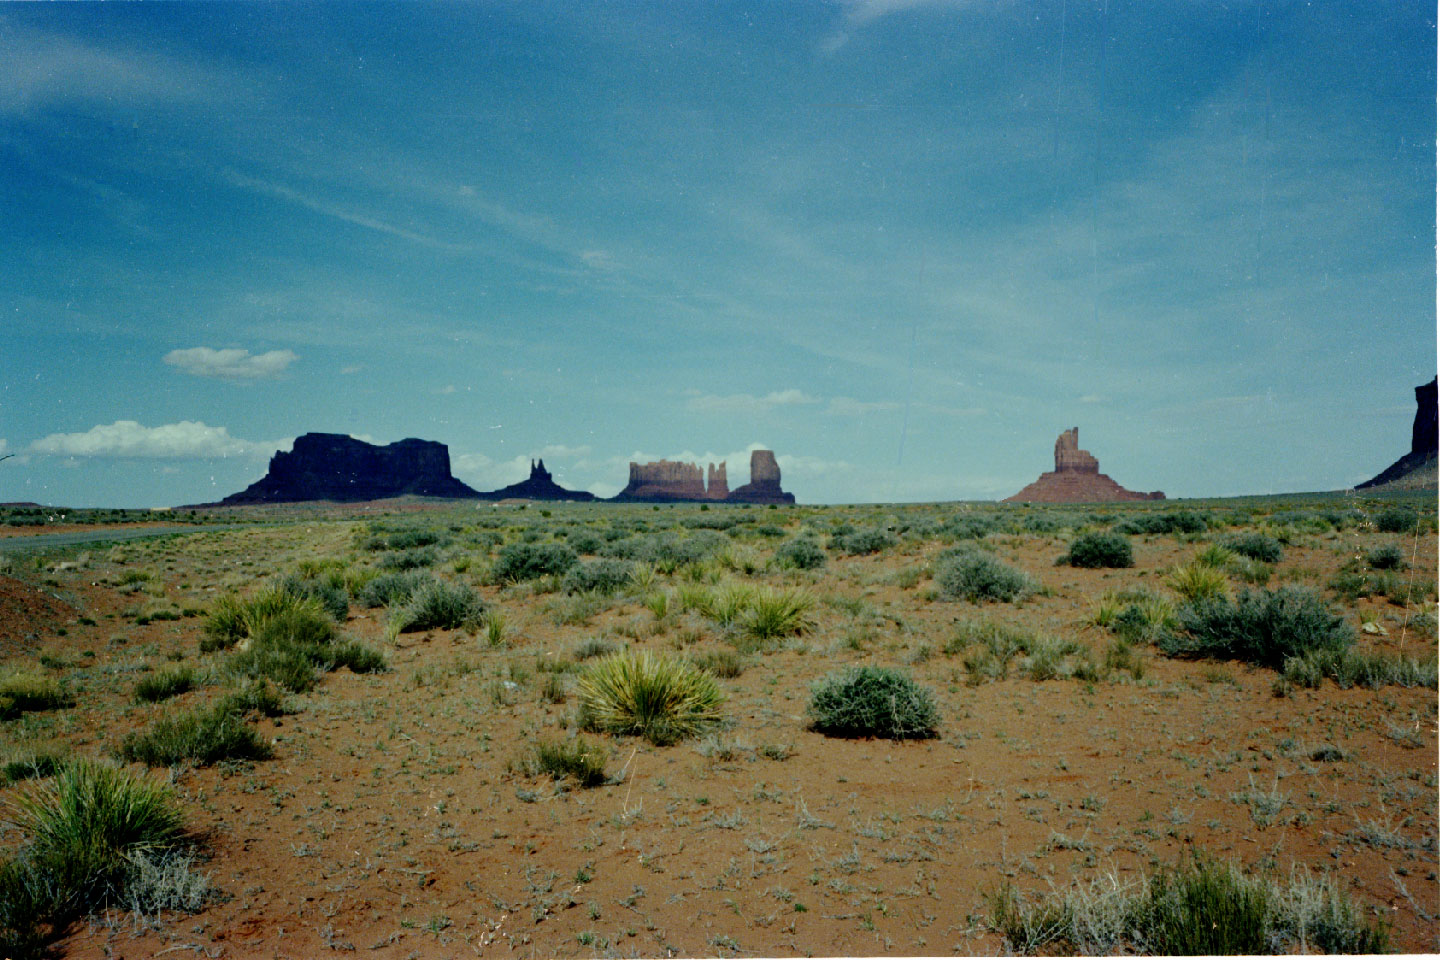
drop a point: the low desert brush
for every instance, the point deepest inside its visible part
(1095, 550)
(872, 702)
(660, 698)
(1261, 627)
(437, 605)
(577, 760)
(25, 692)
(204, 736)
(979, 577)
(1197, 581)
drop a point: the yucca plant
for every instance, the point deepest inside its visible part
(730, 602)
(659, 698)
(1214, 555)
(772, 614)
(1197, 581)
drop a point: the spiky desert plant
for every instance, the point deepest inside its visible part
(730, 602)
(438, 605)
(89, 820)
(657, 697)
(1196, 581)
(772, 614)
(1214, 555)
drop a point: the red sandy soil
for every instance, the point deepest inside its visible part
(389, 822)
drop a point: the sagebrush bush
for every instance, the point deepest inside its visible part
(1396, 520)
(980, 577)
(1263, 627)
(531, 561)
(659, 698)
(1388, 557)
(1163, 523)
(598, 576)
(333, 597)
(1095, 550)
(860, 542)
(391, 588)
(801, 553)
(415, 559)
(1256, 546)
(438, 605)
(872, 702)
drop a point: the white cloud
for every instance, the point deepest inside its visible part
(188, 439)
(861, 13)
(746, 403)
(351, 370)
(850, 407)
(232, 363)
(483, 473)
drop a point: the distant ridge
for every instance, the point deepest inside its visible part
(539, 486)
(334, 466)
(1076, 479)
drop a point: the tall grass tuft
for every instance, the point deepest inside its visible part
(772, 614)
(659, 698)
(24, 692)
(205, 736)
(164, 685)
(1349, 667)
(438, 605)
(1196, 581)
(577, 760)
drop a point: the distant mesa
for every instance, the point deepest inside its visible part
(1417, 469)
(539, 486)
(334, 466)
(1076, 479)
(672, 481)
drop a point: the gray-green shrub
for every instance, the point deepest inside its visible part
(1263, 627)
(871, 701)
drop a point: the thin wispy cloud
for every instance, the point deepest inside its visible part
(231, 363)
(749, 404)
(185, 440)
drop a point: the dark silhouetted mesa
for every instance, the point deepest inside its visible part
(333, 466)
(1417, 469)
(670, 480)
(1076, 479)
(539, 486)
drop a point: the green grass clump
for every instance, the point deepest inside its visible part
(25, 692)
(88, 827)
(1100, 550)
(859, 542)
(271, 614)
(1349, 667)
(659, 698)
(872, 702)
(204, 736)
(164, 685)
(1215, 556)
(1263, 627)
(801, 553)
(357, 657)
(438, 605)
(598, 576)
(1256, 546)
(1201, 908)
(773, 614)
(576, 760)
(726, 664)
(1197, 581)
(980, 577)
(531, 561)
(30, 766)
(330, 592)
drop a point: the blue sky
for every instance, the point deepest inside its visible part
(903, 243)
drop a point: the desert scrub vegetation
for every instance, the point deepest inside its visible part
(860, 542)
(1349, 667)
(1262, 627)
(23, 692)
(203, 736)
(801, 553)
(1200, 908)
(391, 588)
(988, 649)
(1095, 550)
(437, 605)
(871, 701)
(531, 561)
(272, 613)
(979, 577)
(330, 592)
(771, 615)
(658, 697)
(1256, 546)
(165, 684)
(94, 833)
(1387, 557)
(598, 576)
(1396, 520)
(1196, 581)
(577, 760)
(1163, 523)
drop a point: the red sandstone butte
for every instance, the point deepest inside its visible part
(1076, 479)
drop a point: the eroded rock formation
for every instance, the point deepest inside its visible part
(1076, 479)
(764, 485)
(539, 486)
(1417, 469)
(670, 480)
(334, 466)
